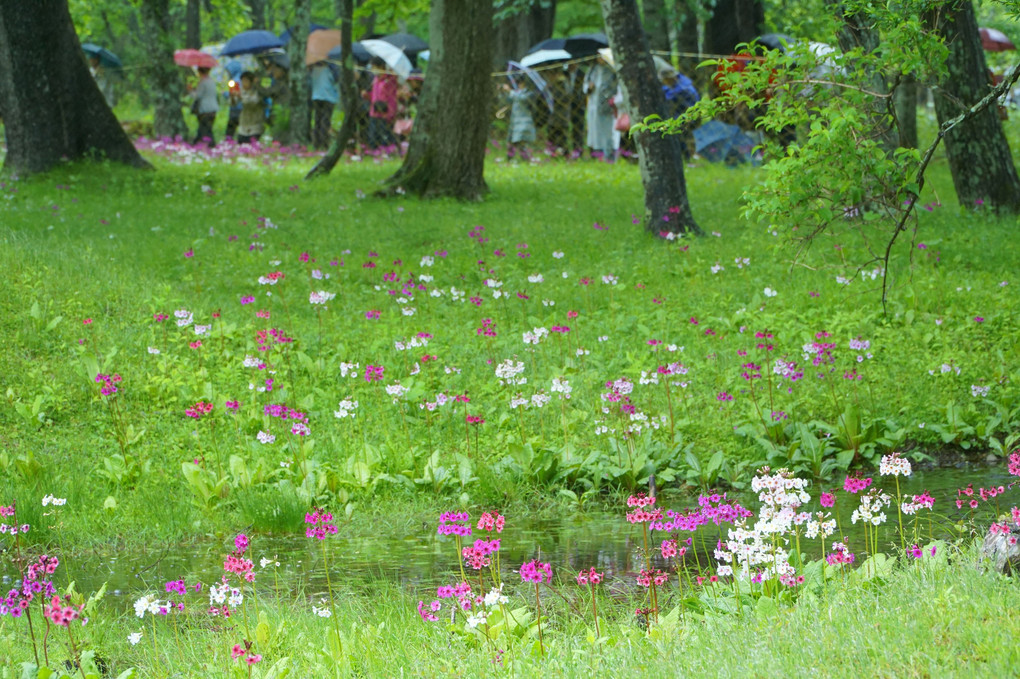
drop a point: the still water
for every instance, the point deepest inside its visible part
(421, 559)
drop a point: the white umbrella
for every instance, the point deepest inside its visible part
(544, 57)
(391, 54)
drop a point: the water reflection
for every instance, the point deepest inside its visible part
(424, 559)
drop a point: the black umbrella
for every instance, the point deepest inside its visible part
(409, 44)
(358, 53)
(775, 41)
(550, 44)
(105, 56)
(585, 44)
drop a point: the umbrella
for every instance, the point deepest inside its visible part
(545, 57)
(195, 58)
(658, 62)
(774, 41)
(717, 142)
(540, 84)
(585, 44)
(320, 43)
(358, 53)
(425, 56)
(394, 58)
(312, 28)
(550, 44)
(105, 56)
(277, 56)
(251, 42)
(409, 44)
(995, 41)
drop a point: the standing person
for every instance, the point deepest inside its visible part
(103, 81)
(559, 119)
(576, 105)
(600, 85)
(382, 109)
(252, 120)
(521, 124)
(325, 96)
(205, 106)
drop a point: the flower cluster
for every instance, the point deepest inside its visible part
(320, 524)
(894, 465)
(109, 383)
(535, 571)
(454, 523)
(491, 521)
(589, 577)
(870, 509)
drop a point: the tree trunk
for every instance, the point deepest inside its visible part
(516, 33)
(733, 22)
(300, 114)
(856, 31)
(258, 14)
(657, 22)
(446, 156)
(659, 157)
(906, 111)
(165, 77)
(979, 156)
(52, 108)
(193, 24)
(349, 98)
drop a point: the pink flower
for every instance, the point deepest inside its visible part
(535, 571)
(237, 652)
(827, 499)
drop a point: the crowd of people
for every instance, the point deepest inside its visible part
(579, 106)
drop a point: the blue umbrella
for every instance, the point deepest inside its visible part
(251, 42)
(358, 52)
(719, 142)
(285, 36)
(105, 56)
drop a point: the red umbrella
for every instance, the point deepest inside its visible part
(995, 41)
(195, 58)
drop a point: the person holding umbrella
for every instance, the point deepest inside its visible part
(325, 97)
(382, 100)
(600, 84)
(204, 106)
(103, 81)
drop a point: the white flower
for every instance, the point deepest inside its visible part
(540, 399)
(264, 562)
(408, 311)
(557, 255)
(716, 268)
(346, 408)
(320, 297)
(508, 372)
(476, 619)
(427, 260)
(265, 437)
(184, 318)
(236, 597)
(610, 279)
(201, 329)
(562, 387)
(769, 292)
(495, 597)
(396, 391)
(535, 278)
(55, 501)
(143, 605)
(979, 391)
(894, 465)
(518, 401)
(153, 350)
(134, 638)
(218, 593)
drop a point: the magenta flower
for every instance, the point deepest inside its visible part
(321, 524)
(827, 499)
(536, 572)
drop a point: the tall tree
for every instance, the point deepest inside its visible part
(657, 23)
(856, 32)
(659, 157)
(733, 22)
(165, 78)
(51, 106)
(193, 24)
(905, 97)
(299, 113)
(446, 156)
(257, 12)
(519, 24)
(349, 98)
(979, 156)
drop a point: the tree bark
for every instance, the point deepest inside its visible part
(300, 115)
(979, 156)
(518, 32)
(659, 157)
(193, 24)
(51, 106)
(657, 22)
(165, 78)
(856, 32)
(905, 98)
(349, 98)
(258, 14)
(446, 156)
(733, 22)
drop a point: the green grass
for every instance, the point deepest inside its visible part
(930, 618)
(103, 243)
